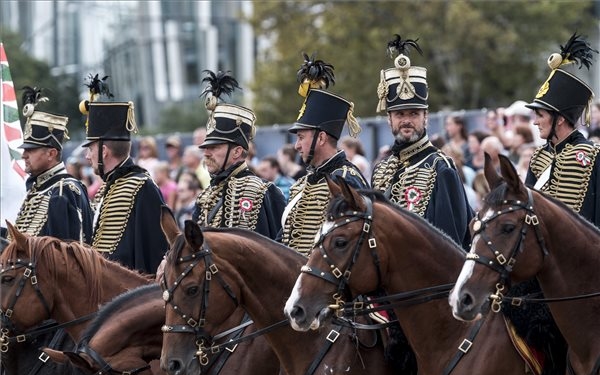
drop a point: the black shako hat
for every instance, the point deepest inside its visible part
(42, 129)
(563, 92)
(322, 109)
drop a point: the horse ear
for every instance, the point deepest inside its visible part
(510, 175)
(490, 173)
(351, 196)
(18, 237)
(334, 188)
(193, 235)
(169, 225)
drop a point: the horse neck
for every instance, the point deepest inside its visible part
(267, 275)
(141, 323)
(72, 292)
(570, 269)
(424, 259)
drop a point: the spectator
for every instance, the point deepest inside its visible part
(493, 146)
(167, 186)
(355, 153)
(173, 149)
(193, 160)
(268, 169)
(147, 157)
(522, 135)
(188, 189)
(474, 141)
(287, 156)
(456, 133)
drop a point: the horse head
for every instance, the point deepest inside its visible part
(195, 310)
(505, 227)
(345, 244)
(21, 289)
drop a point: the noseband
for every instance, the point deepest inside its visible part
(498, 262)
(204, 340)
(336, 276)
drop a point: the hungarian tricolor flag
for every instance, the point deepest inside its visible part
(12, 172)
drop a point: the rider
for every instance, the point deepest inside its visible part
(236, 197)
(127, 222)
(318, 128)
(417, 176)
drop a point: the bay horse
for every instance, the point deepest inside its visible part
(256, 273)
(45, 278)
(522, 233)
(124, 337)
(367, 244)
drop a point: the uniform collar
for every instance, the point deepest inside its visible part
(233, 170)
(405, 150)
(42, 178)
(574, 137)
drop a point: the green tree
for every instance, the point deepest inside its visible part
(478, 53)
(63, 91)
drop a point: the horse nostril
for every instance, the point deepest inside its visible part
(174, 366)
(466, 299)
(298, 313)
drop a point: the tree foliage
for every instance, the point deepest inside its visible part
(63, 91)
(478, 53)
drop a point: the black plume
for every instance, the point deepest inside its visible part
(98, 86)
(219, 84)
(578, 50)
(401, 47)
(32, 95)
(315, 70)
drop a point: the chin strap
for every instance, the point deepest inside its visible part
(311, 153)
(552, 133)
(225, 160)
(100, 159)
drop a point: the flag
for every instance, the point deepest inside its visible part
(12, 173)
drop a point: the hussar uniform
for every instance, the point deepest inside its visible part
(418, 176)
(309, 196)
(236, 197)
(128, 204)
(56, 203)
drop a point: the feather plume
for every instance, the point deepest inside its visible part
(316, 72)
(402, 47)
(219, 84)
(577, 50)
(98, 86)
(33, 95)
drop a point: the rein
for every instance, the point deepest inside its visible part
(105, 367)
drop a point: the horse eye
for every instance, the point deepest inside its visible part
(7, 279)
(507, 228)
(340, 242)
(192, 291)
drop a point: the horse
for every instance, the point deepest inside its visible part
(45, 278)
(367, 244)
(522, 233)
(255, 273)
(124, 337)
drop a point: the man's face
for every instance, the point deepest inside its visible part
(408, 125)
(304, 140)
(91, 156)
(543, 120)
(266, 171)
(214, 156)
(38, 160)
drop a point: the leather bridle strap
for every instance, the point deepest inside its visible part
(105, 367)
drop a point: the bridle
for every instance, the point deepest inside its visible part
(204, 341)
(29, 275)
(498, 262)
(336, 276)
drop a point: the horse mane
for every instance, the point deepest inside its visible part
(179, 244)
(122, 302)
(497, 196)
(337, 206)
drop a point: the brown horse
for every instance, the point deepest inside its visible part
(521, 233)
(124, 337)
(44, 278)
(367, 244)
(209, 272)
